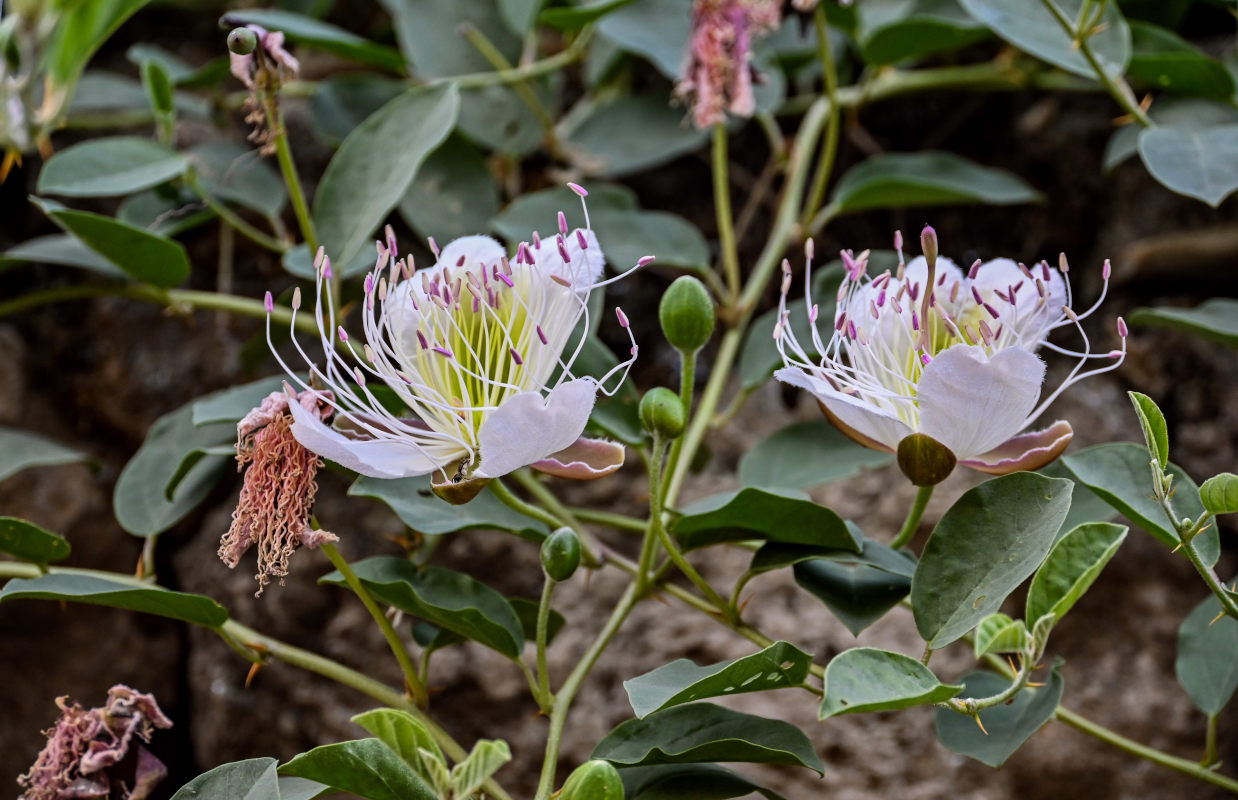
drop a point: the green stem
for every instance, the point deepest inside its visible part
(288, 168)
(620, 522)
(829, 145)
(1210, 578)
(562, 515)
(509, 499)
(412, 681)
(1210, 742)
(521, 87)
(971, 706)
(687, 381)
(229, 216)
(722, 211)
(545, 699)
(1118, 89)
(524, 72)
(913, 517)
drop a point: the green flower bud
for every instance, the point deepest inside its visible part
(593, 780)
(242, 41)
(661, 412)
(561, 554)
(687, 314)
(924, 460)
(1220, 493)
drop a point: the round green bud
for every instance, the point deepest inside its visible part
(924, 460)
(687, 314)
(1220, 493)
(242, 41)
(593, 780)
(561, 554)
(661, 412)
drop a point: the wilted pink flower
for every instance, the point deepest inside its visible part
(268, 63)
(88, 753)
(274, 507)
(718, 72)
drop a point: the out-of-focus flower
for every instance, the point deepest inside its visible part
(273, 510)
(934, 351)
(91, 753)
(269, 65)
(479, 348)
(718, 72)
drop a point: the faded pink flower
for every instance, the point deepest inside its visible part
(273, 510)
(718, 72)
(88, 753)
(268, 63)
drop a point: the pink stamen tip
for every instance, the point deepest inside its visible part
(1116, 354)
(343, 334)
(581, 240)
(433, 246)
(421, 339)
(503, 277)
(442, 351)
(1044, 271)
(326, 269)
(851, 329)
(541, 334)
(563, 254)
(898, 240)
(578, 189)
(623, 318)
(812, 315)
(1106, 270)
(516, 357)
(369, 284)
(644, 261)
(975, 268)
(1122, 329)
(537, 241)
(296, 298)
(269, 303)
(460, 261)
(356, 371)
(810, 249)
(562, 223)
(319, 256)
(1023, 268)
(925, 359)
(992, 311)
(391, 245)
(562, 281)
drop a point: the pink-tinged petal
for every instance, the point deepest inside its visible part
(1024, 452)
(475, 249)
(376, 458)
(866, 423)
(583, 460)
(972, 402)
(850, 432)
(528, 427)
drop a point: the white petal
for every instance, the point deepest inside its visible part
(867, 419)
(972, 403)
(585, 267)
(475, 249)
(377, 458)
(1031, 318)
(528, 427)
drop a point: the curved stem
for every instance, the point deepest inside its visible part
(412, 681)
(1210, 577)
(545, 698)
(620, 522)
(521, 87)
(829, 145)
(288, 168)
(971, 706)
(687, 381)
(722, 211)
(509, 499)
(1117, 87)
(913, 518)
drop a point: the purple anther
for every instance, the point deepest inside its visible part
(510, 283)
(898, 240)
(914, 291)
(563, 254)
(925, 359)
(623, 318)
(369, 283)
(1044, 271)
(516, 356)
(391, 245)
(269, 303)
(443, 351)
(476, 304)
(578, 189)
(581, 240)
(523, 256)
(1040, 288)
(562, 224)
(851, 329)
(537, 241)
(897, 306)
(1122, 329)
(541, 334)
(1002, 295)
(326, 269)
(356, 371)
(975, 293)
(975, 268)
(812, 315)
(1106, 270)
(881, 298)
(992, 311)
(460, 261)
(1116, 354)
(840, 321)
(1023, 268)
(915, 320)
(343, 333)
(433, 245)
(942, 279)
(421, 339)
(644, 261)
(954, 292)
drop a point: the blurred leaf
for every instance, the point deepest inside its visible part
(570, 18)
(158, 88)
(431, 37)
(364, 767)
(344, 100)
(179, 72)
(1163, 60)
(252, 779)
(61, 249)
(658, 30)
(902, 180)
(357, 191)
(519, 15)
(805, 455)
(776, 516)
(1207, 662)
(867, 679)
(1215, 320)
(858, 590)
(28, 542)
(418, 508)
(704, 733)
(300, 789)
(297, 261)
(1072, 566)
(78, 33)
(110, 166)
(894, 30)
(1032, 27)
(1170, 112)
(448, 599)
(165, 211)
(1006, 727)
(129, 594)
(239, 175)
(453, 195)
(145, 256)
(631, 133)
(21, 449)
(779, 666)
(994, 537)
(1197, 162)
(321, 35)
(687, 782)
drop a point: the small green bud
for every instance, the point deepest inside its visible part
(687, 314)
(1220, 493)
(561, 554)
(242, 41)
(661, 412)
(924, 460)
(593, 780)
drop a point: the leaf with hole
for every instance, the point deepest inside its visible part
(867, 679)
(27, 541)
(118, 592)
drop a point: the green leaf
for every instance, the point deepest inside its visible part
(654, 29)
(1073, 565)
(357, 191)
(1032, 28)
(1163, 60)
(158, 88)
(61, 249)
(145, 256)
(431, 37)
(1152, 421)
(29, 542)
(1085, 505)
(178, 71)
(344, 101)
(1197, 162)
(485, 759)
(407, 737)
(776, 516)
(118, 592)
(1119, 473)
(78, 33)
(572, 18)
(1171, 112)
(239, 175)
(776, 555)
(687, 782)
(1207, 662)
(998, 633)
(450, 600)
(704, 733)
(139, 499)
(526, 610)
(321, 35)
(365, 767)
(252, 779)
(902, 180)
(497, 119)
(867, 679)
(453, 195)
(519, 15)
(988, 543)
(779, 666)
(103, 98)
(418, 508)
(1008, 725)
(897, 30)
(300, 789)
(22, 449)
(859, 590)
(805, 455)
(631, 133)
(1219, 494)
(111, 166)
(164, 211)
(1215, 320)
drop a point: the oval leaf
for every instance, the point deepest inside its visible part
(632, 133)
(1006, 727)
(867, 679)
(893, 32)
(1152, 421)
(454, 193)
(109, 167)
(1219, 494)
(901, 180)
(62, 249)
(685, 782)
(1163, 60)
(1033, 28)
(1215, 320)
(252, 779)
(1197, 162)
(21, 449)
(1207, 662)
(859, 590)
(776, 516)
(822, 455)
(407, 737)
(118, 593)
(1073, 565)
(988, 543)
(29, 542)
(365, 767)
(704, 733)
